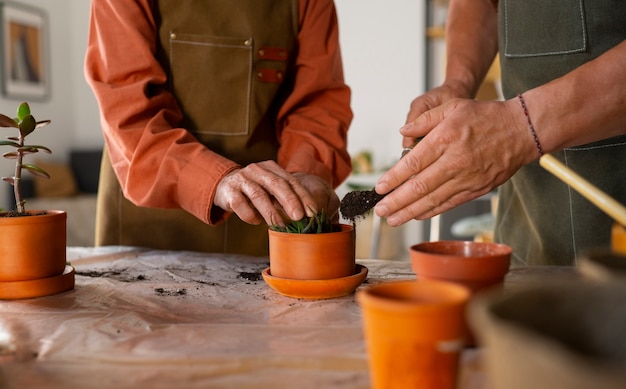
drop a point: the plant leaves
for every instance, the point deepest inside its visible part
(22, 111)
(42, 123)
(36, 170)
(318, 224)
(6, 121)
(41, 148)
(27, 125)
(9, 143)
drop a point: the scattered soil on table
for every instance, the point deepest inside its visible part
(170, 292)
(250, 276)
(119, 275)
(356, 204)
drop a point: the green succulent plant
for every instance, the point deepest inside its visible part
(318, 224)
(26, 124)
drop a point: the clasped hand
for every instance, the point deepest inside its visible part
(264, 191)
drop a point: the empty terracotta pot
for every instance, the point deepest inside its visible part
(554, 335)
(312, 256)
(476, 265)
(413, 332)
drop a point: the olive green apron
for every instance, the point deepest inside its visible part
(228, 64)
(545, 221)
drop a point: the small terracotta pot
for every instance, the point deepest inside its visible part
(618, 238)
(554, 335)
(312, 256)
(475, 265)
(32, 247)
(413, 332)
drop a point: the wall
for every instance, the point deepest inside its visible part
(383, 46)
(71, 105)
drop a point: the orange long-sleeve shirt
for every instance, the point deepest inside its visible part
(161, 165)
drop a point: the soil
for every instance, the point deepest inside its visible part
(250, 276)
(357, 204)
(17, 214)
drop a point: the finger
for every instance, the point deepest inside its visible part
(439, 201)
(421, 156)
(253, 205)
(294, 198)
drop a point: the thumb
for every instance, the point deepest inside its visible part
(422, 125)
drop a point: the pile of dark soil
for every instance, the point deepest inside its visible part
(357, 204)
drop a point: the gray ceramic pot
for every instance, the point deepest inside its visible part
(566, 335)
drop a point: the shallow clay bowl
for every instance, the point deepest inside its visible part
(316, 289)
(476, 265)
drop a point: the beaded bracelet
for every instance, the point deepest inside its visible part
(530, 125)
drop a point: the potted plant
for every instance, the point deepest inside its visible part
(32, 242)
(313, 258)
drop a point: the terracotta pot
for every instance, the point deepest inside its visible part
(554, 335)
(476, 265)
(32, 247)
(312, 256)
(413, 332)
(618, 238)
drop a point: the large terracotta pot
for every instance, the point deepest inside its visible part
(555, 335)
(32, 247)
(413, 332)
(312, 256)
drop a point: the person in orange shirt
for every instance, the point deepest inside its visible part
(219, 118)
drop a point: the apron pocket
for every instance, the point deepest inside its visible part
(539, 27)
(212, 80)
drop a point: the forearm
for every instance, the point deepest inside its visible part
(157, 162)
(586, 105)
(471, 43)
(313, 123)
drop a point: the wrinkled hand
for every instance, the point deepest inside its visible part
(470, 148)
(429, 100)
(323, 194)
(266, 192)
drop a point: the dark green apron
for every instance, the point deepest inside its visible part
(545, 221)
(228, 64)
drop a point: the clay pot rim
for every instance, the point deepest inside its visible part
(32, 219)
(451, 267)
(344, 228)
(373, 297)
(438, 249)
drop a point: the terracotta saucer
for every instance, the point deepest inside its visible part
(316, 289)
(38, 288)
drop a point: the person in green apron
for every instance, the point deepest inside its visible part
(563, 65)
(219, 118)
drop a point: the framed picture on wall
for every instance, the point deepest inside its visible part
(24, 39)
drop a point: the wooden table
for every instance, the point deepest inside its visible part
(157, 319)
